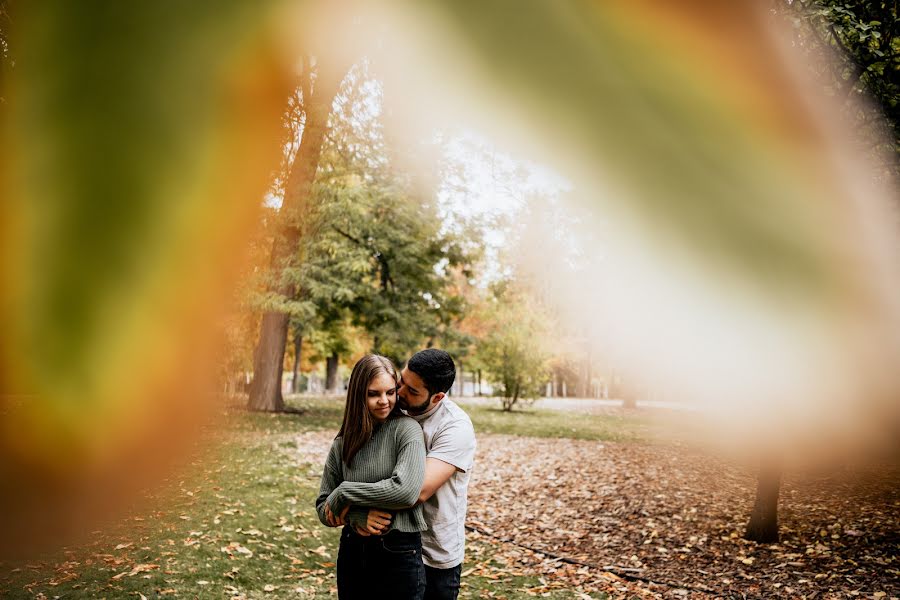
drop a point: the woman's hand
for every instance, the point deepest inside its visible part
(377, 522)
(336, 521)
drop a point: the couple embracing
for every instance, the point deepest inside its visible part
(397, 478)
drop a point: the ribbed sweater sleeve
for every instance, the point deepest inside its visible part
(331, 478)
(402, 489)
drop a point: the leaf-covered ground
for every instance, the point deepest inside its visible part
(672, 515)
(498, 569)
(238, 522)
(638, 520)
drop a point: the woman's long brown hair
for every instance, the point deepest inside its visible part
(358, 423)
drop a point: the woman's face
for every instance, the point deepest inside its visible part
(381, 396)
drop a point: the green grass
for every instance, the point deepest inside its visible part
(559, 424)
(326, 413)
(242, 523)
(318, 414)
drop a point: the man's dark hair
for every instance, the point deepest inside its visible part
(435, 367)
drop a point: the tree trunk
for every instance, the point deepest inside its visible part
(763, 525)
(265, 392)
(479, 382)
(298, 349)
(331, 370)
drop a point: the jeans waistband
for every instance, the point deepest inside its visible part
(393, 534)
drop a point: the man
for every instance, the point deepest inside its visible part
(450, 453)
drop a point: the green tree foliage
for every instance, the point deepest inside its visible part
(6, 59)
(853, 48)
(402, 299)
(512, 350)
(377, 260)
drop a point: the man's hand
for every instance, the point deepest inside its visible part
(335, 521)
(377, 522)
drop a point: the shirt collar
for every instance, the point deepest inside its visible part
(427, 413)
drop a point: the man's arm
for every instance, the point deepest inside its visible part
(452, 449)
(456, 444)
(437, 473)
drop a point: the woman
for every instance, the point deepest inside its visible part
(378, 460)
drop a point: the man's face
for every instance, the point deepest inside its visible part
(412, 394)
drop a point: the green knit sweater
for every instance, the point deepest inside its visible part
(386, 473)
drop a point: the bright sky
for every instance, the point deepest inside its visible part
(482, 183)
(489, 181)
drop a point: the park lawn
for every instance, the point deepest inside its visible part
(240, 523)
(616, 426)
(542, 423)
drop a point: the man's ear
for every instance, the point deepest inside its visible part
(437, 397)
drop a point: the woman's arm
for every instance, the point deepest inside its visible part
(399, 491)
(332, 476)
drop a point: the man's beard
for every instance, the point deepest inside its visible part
(415, 410)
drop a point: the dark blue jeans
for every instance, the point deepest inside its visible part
(442, 584)
(380, 566)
